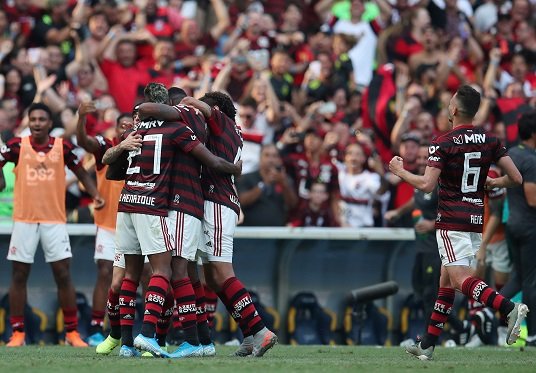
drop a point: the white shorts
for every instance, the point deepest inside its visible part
(188, 231)
(104, 245)
(140, 234)
(119, 260)
(498, 257)
(25, 238)
(457, 245)
(219, 226)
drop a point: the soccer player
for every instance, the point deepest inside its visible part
(460, 160)
(186, 201)
(39, 214)
(222, 209)
(148, 183)
(104, 218)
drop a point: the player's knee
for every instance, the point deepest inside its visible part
(105, 269)
(163, 272)
(19, 277)
(62, 277)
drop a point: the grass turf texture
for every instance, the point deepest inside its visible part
(59, 359)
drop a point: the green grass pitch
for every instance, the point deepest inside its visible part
(58, 359)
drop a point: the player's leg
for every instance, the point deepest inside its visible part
(220, 223)
(104, 257)
(57, 250)
(186, 229)
(22, 247)
(155, 239)
(128, 248)
(528, 282)
(203, 330)
(112, 307)
(442, 309)
(462, 277)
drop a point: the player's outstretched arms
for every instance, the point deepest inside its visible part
(219, 164)
(426, 182)
(86, 142)
(512, 178)
(90, 186)
(157, 111)
(203, 107)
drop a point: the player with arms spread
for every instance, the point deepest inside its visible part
(460, 160)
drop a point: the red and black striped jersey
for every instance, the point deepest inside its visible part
(224, 141)
(148, 177)
(186, 194)
(464, 156)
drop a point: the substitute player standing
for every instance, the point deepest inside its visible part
(39, 215)
(460, 160)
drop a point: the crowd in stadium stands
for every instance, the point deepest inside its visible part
(327, 91)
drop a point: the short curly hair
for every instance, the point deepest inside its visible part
(222, 101)
(157, 93)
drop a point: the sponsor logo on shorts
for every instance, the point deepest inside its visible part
(12, 250)
(100, 249)
(140, 200)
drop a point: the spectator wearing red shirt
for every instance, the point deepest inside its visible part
(315, 212)
(410, 42)
(22, 14)
(123, 73)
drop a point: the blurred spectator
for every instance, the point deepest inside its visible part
(315, 212)
(267, 195)
(359, 187)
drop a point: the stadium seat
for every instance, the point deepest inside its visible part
(309, 323)
(412, 318)
(35, 322)
(372, 329)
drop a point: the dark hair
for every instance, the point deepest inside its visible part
(156, 92)
(40, 106)
(123, 115)
(527, 125)
(222, 101)
(249, 102)
(176, 95)
(125, 41)
(468, 100)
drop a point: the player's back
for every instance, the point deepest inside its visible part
(464, 156)
(147, 180)
(227, 144)
(186, 193)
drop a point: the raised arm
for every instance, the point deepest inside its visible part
(158, 111)
(88, 143)
(203, 107)
(426, 182)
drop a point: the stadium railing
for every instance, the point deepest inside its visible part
(271, 259)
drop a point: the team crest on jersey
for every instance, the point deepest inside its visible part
(438, 218)
(176, 199)
(211, 189)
